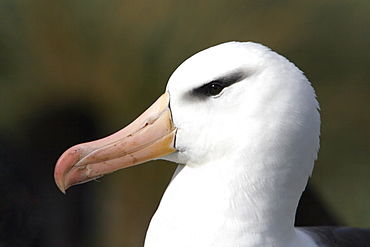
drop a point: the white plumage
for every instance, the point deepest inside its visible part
(243, 123)
(248, 151)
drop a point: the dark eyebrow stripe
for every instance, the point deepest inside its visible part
(224, 81)
(228, 80)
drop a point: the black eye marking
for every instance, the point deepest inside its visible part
(215, 87)
(210, 89)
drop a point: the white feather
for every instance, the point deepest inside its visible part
(248, 152)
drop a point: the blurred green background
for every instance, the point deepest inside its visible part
(72, 71)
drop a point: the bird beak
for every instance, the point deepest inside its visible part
(150, 136)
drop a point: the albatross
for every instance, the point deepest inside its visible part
(243, 124)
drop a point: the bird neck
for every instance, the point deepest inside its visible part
(213, 203)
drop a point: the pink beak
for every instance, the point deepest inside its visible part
(150, 136)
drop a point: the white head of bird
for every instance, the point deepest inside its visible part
(243, 122)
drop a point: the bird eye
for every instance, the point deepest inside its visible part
(214, 89)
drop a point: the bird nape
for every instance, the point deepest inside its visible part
(243, 123)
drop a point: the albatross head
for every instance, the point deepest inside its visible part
(245, 123)
(239, 99)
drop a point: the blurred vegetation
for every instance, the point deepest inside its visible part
(111, 59)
